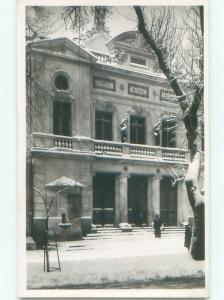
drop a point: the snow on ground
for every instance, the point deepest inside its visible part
(118, 257)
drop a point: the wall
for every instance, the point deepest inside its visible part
(152, 108)
(79, 91)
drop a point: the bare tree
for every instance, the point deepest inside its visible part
(91, 19)
(47, 207)
(160, 33)
(37, 23)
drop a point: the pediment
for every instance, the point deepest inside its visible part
(129, 39)
(64, 46)
(97, 43)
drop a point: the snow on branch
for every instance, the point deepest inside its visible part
(176, 175)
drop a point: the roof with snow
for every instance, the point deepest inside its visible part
(64, 182)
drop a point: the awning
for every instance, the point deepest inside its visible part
(66, 183)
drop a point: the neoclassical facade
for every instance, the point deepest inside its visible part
(92, 110)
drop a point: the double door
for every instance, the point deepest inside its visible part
(104, 199)
(137, 200)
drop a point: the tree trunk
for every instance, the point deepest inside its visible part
(196, 199)
(197, 248)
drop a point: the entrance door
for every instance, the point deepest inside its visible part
(103, 199)
(168, 202)
(137, 199)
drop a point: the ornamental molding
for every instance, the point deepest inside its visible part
(138, 109)
(104, 106)
(62, 95)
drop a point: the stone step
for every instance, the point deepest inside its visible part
(136, 229)
(108, 237)
(95, 237)
(108, 234)
(30, 243)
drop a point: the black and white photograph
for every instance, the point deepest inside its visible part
(113, 141)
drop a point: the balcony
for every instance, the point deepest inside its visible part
(106, 149)
(105, 58)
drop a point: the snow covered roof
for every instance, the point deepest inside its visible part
(97, 43)
(63, 182)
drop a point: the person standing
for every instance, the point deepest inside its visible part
(188, 234)
(157, 226)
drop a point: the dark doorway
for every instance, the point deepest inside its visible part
(62, 118)
(103, 198)
(103, 125)
(137, 199)
(137, 130)
(168, 202)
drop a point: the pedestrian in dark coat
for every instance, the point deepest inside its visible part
(188, 233)
(157, 226)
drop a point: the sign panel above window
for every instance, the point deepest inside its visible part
(104, 83)
(167, 95)
(138, 90)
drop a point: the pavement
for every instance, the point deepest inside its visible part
(118, 260)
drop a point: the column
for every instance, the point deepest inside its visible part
(116, 129)
(149, 204)
(123, 198)
(149, 130)
(117, 200)
(155, 195)
(92, 120)
(179, 203)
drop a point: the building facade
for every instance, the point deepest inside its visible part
(91, 115)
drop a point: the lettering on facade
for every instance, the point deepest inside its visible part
(138, 90)
(104, 84)
(167, 95)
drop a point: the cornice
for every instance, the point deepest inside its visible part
(62, 56)
(35, 152)
(132, 74)
(106, 67)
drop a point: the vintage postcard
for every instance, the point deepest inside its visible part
(113, 149)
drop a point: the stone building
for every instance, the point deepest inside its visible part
(92, 109)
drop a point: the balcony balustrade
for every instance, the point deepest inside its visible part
(78, 144)
(102, 57)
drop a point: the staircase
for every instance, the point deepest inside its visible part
(110, 232)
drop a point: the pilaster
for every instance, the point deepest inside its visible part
(155, 195)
